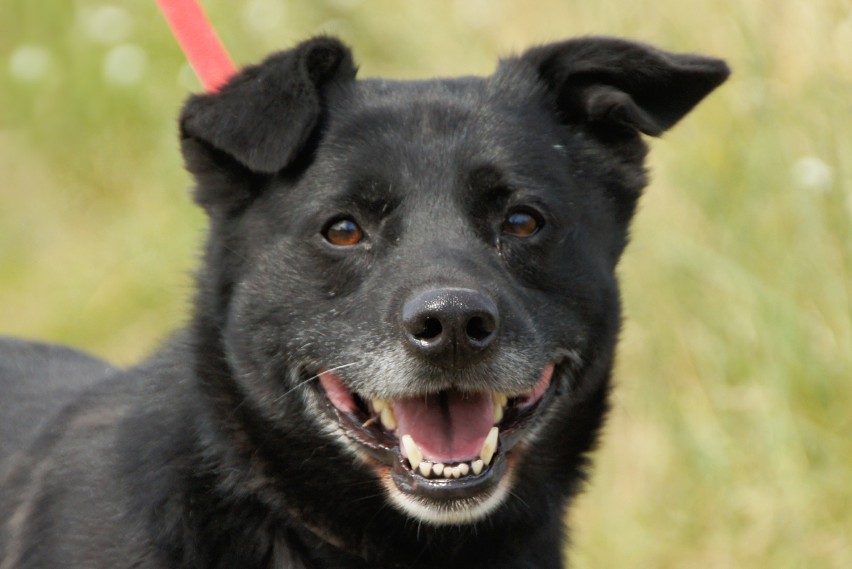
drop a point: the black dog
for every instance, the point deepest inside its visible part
(403, 335)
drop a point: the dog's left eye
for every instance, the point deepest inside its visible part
(343, 233)
(521, 223)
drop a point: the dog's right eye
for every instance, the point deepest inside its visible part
(521, 223)
(343, 233)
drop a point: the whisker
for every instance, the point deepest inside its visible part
(310, 379)
(521, 501)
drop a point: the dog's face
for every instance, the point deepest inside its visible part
(415, 280)
(446, 267)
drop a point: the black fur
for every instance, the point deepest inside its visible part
(211, 453)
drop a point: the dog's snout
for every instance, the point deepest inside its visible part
(451, 326)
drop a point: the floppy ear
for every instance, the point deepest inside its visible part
(620, 84)
(260, 121)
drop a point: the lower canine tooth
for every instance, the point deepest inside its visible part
(476, 466)
(388, 419)
(425, 469)
(415, 457)
(489, 447)
(438, 468)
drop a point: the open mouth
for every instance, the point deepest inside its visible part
(443, 446)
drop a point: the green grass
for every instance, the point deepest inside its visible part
(730, 443)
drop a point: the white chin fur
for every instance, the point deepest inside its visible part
(457, 512)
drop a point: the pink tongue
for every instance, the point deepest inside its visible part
(450, 427)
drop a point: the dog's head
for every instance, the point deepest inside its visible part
(413, 282)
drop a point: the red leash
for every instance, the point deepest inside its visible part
(199, 42)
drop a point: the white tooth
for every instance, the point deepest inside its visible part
(415, 457)
(448, 472)
(464, 468)
(456, 472)
(425, 469)
(498, 413)
(438, 468)
(477, 466)
(500, 399)
(388, 419)
(379, 405)
(489, 447)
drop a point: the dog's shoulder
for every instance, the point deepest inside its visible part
(37, 380)
(76, 428)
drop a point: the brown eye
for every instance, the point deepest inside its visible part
(521, 224)
(343, 233)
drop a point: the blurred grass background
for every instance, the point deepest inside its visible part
(730, 443)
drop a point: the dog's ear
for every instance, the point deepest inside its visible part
(622, 85)
(260, 120)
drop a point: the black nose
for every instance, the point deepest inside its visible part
(451, 326)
